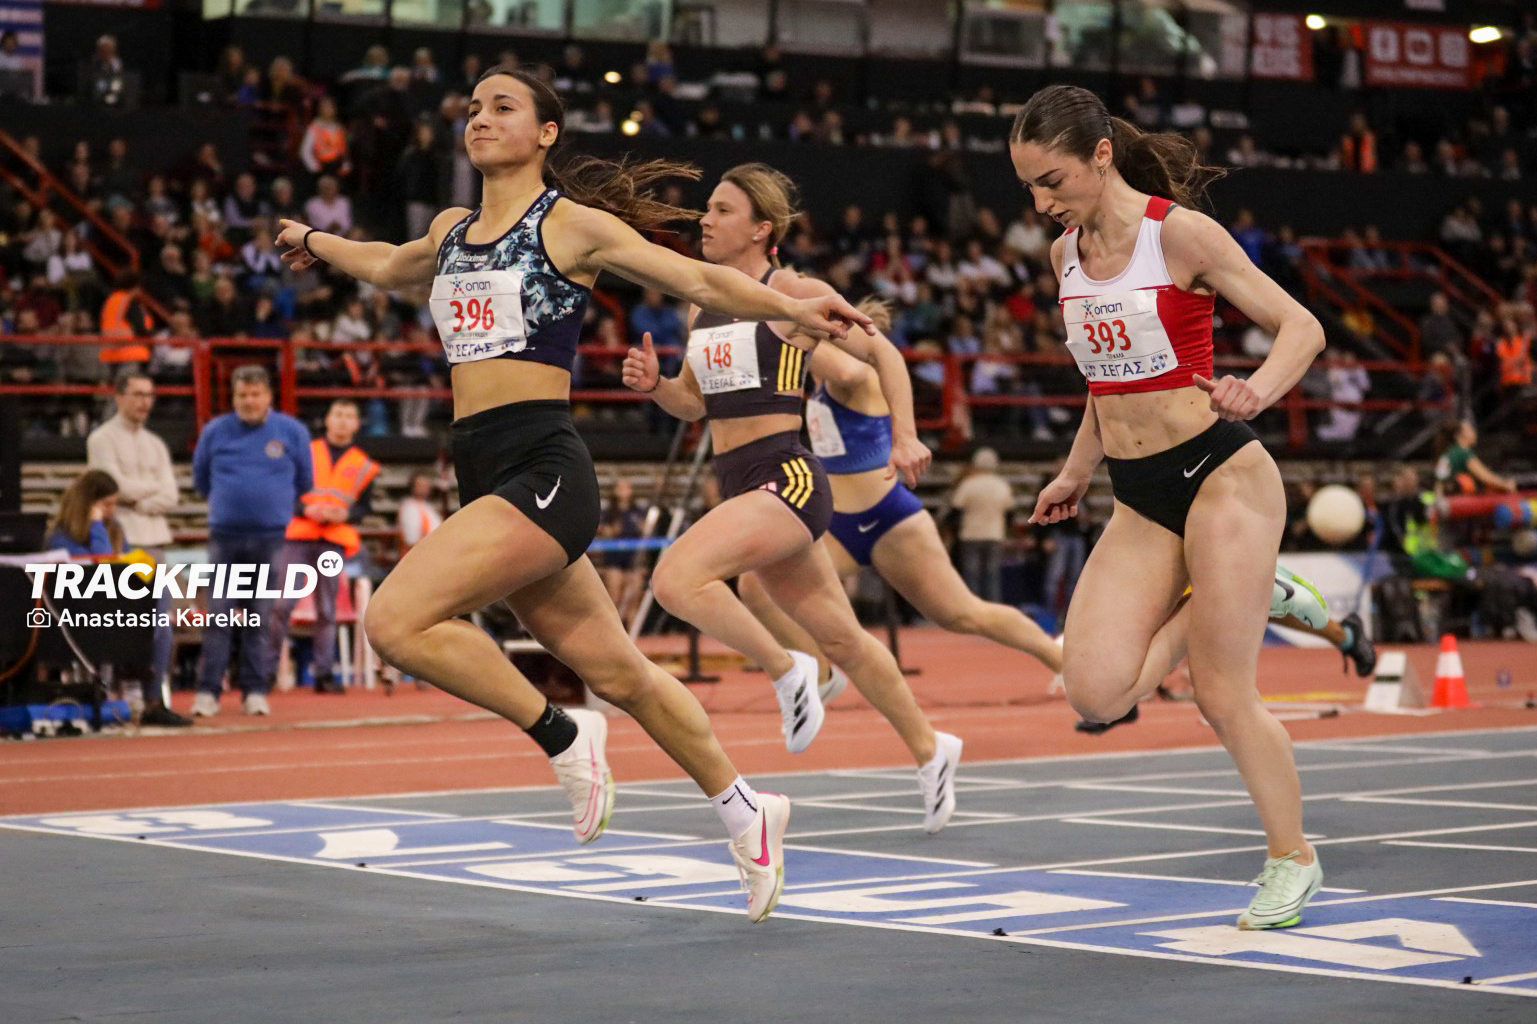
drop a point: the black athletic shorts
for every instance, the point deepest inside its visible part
(779, 464)
(529, 454)
(1162, 487)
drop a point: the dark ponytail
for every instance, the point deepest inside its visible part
(1073, 120)
(618, 187)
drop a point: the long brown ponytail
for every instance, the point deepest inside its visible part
(619, 187)
(1073, 120)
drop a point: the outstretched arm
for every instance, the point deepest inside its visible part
(381, 264)
(601, 241)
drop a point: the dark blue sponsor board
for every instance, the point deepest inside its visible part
(1401, 938)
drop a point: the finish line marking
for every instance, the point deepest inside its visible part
(1408, 938)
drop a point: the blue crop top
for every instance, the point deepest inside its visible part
(846, 441)
(505, 299)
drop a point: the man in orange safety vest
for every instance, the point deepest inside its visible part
(344, 479)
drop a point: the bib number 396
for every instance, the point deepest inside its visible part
(473, 315)
(479, 314)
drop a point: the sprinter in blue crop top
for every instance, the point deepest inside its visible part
(748, 377)
(878, 522)
(508, 284)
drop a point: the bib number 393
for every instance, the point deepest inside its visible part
(1118, 337)
(479, 315)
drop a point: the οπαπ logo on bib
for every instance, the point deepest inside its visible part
(274, 449)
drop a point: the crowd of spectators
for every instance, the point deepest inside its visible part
(378, 151)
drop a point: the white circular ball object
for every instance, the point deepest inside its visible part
(1524, 543)
(1336, 514)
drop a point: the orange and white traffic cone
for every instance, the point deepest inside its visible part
(1451, 684)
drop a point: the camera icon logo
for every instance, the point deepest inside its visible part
(329, 563)
(39, 618)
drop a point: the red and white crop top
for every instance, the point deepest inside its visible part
(1137, 331)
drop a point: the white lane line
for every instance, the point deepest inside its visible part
(1492, 903)
(1508, 978)
(1022, 818)
(1148, 858)
(838, 804)
(1461, 829)
(1170, 827)
(1462, 804)
(1451, 787)
(1178, 878)
(1368, 748)
(376, 810)
(1171, 790)
(1377, 898)
(976, 864)
(1464, 846)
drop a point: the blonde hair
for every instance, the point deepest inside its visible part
(774, 198)
(878, 310)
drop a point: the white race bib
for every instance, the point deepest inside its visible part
(822, 425)
(1118, 337)
(724, 358)
(479, 314)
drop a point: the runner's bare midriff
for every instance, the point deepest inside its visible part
(1144, 423)
(733, 433)
(489, 383)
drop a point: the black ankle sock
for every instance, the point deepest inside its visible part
(554, 732)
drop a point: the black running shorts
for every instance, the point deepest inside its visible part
(1162, 487)
(529, 454)
(781, 465)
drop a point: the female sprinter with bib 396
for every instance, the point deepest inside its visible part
(878, 522)
(1198, 500)
(509, 285)
(748, 377)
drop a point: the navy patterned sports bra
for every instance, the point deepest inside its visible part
(505, 299)
(744, 368)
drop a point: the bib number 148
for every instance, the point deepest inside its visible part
(718, 355)
(473, 315)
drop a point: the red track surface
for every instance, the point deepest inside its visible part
(991, 697)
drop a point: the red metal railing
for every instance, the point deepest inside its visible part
(943, 407)
(49, 186)
(1326, 265)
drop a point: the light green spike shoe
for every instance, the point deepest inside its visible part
(1293, 595)
(1284, 889)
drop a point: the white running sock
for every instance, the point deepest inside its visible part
(737, 806)
(789, 679)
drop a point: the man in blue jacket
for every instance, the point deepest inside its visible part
(252, 464)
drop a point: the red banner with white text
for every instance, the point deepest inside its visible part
(1282, 48)
(1418, 56)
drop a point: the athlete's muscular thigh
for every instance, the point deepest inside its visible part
(1129, 584)
(1233, 532)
